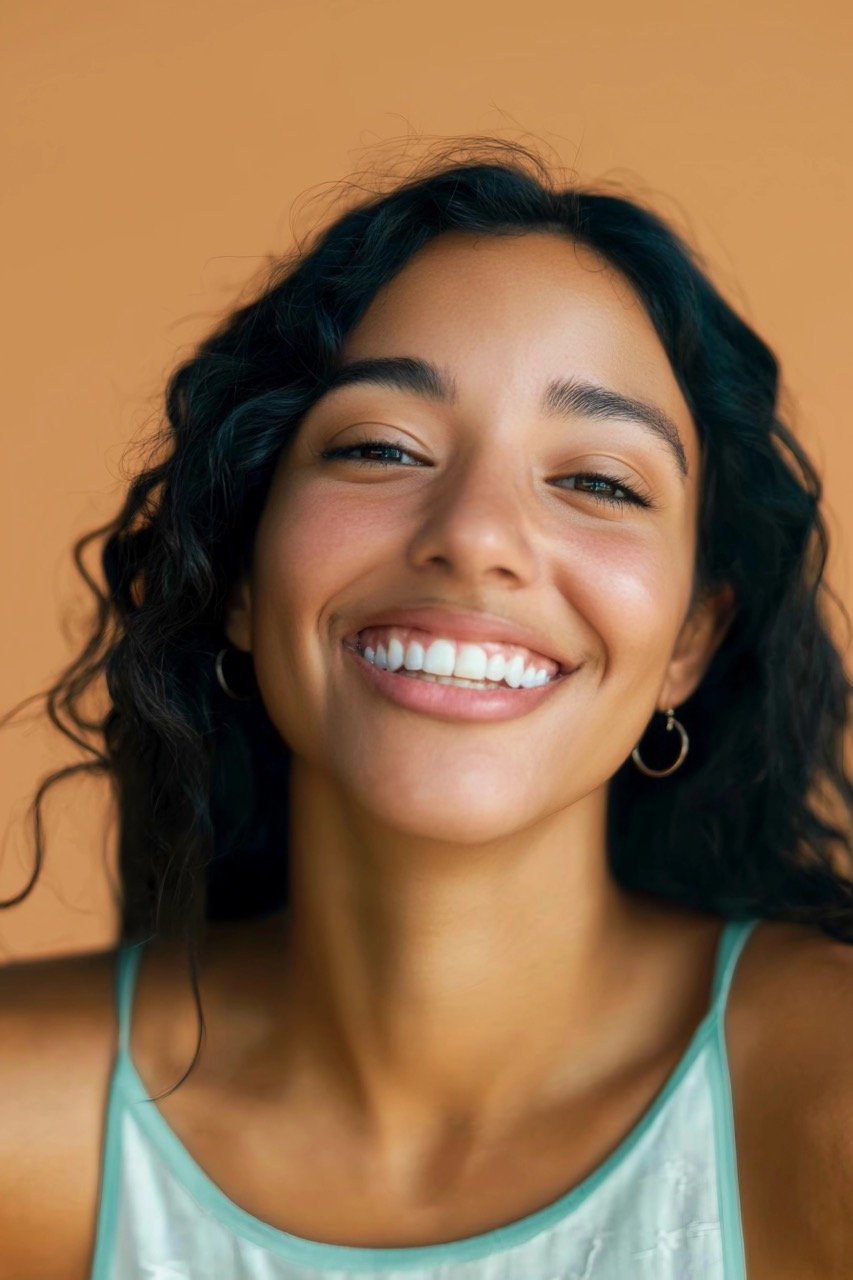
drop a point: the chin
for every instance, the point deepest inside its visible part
(473, 811)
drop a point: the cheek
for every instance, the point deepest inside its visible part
(303, 546)
(630, 591)
(300, 554)
(311, 555)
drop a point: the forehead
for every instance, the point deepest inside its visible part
(507, 314)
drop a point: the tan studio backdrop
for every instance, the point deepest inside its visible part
(155, 153)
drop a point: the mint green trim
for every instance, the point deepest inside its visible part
(105, 1235)
(107, 1218)
(728, 1191)
(128, 1085)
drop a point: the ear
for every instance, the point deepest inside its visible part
(701, 635)
(238, 615)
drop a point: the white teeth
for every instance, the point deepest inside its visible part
(450, 661)
(514, 671)
(414, 656)
(440, 658)
(471, 662)
(495, 667)
(451, 680)
(395, 654)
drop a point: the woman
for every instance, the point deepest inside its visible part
(472, 708)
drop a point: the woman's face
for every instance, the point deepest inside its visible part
(486, 509)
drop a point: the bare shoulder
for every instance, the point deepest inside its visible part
(57, 1046)
(789, 1032)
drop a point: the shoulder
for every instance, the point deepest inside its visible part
(789, 1030)
(57, 1045)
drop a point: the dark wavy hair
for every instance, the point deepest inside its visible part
(756, 821)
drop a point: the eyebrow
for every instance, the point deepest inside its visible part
(562, 398)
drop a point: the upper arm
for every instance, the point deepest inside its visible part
(822, 1103)
(795, 1117)
(57, 1043)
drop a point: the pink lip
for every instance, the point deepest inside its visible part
(449, 702)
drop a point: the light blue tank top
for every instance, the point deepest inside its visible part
(664, 1205)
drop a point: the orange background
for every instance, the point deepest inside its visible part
(153, 154)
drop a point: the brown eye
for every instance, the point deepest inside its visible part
(599, 478)
(376, 446)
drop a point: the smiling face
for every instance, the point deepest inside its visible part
(490, 506)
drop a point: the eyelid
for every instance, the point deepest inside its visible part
(636, 497)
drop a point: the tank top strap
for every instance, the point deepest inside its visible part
(127, 968)
(732, 942)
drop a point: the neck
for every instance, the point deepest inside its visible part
(426, 985)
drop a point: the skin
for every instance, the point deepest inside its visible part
(462, 1015)
(454, 924)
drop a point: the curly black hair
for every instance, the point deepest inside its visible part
(756, 822)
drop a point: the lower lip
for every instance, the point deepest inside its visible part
(452, 702)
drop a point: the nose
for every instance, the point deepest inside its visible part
(476, 527)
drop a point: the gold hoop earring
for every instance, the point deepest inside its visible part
(223, 683)
(671, 722)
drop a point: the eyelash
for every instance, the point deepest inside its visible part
(633, 498)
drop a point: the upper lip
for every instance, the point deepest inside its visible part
(473, 626)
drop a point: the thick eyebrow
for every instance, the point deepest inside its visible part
(563, 398)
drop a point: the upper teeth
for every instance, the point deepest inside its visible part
(445, 657)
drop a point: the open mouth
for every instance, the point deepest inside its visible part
(503, 668)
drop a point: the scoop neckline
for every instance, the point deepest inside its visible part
(320, 1254)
